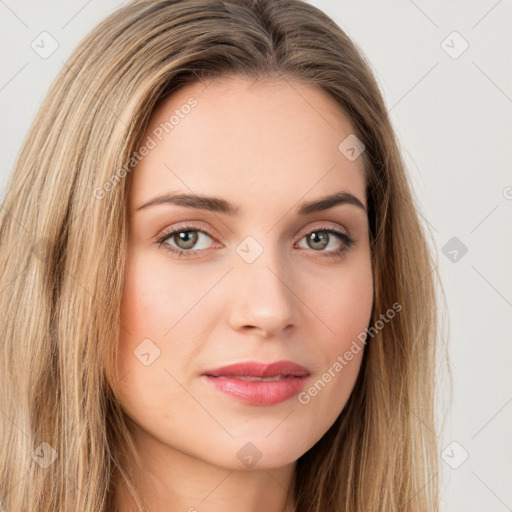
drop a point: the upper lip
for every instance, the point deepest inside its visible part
(256, 369)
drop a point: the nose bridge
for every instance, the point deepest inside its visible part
(264, 297)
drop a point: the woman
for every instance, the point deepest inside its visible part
(229, 298)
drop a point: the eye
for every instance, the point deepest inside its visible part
(334, 239)
(182, 240)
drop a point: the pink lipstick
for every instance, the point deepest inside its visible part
(259, 383)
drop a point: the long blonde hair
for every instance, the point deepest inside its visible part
(62, 255)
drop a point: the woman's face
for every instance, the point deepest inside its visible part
(255, 275)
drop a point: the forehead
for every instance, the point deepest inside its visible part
(243, 138)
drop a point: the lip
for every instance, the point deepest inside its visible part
(234, 380)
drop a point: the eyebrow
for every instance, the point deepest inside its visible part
(219, 205)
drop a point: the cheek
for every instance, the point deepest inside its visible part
(345, 305)
(160, 306)
(344, 311)
(157, 296)
(145, 364)
(145, 318)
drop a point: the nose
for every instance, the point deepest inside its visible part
(263, 299)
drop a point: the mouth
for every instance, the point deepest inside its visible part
(259, 383)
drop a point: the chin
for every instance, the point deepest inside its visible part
(265, 453)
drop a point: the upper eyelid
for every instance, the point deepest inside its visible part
(326, 226)
(187, 226)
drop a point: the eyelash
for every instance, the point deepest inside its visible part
(348, 241)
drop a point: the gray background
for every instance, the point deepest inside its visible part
(453, 115)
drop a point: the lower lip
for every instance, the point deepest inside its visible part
(259, 392)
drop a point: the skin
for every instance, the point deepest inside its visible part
(267, 146)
